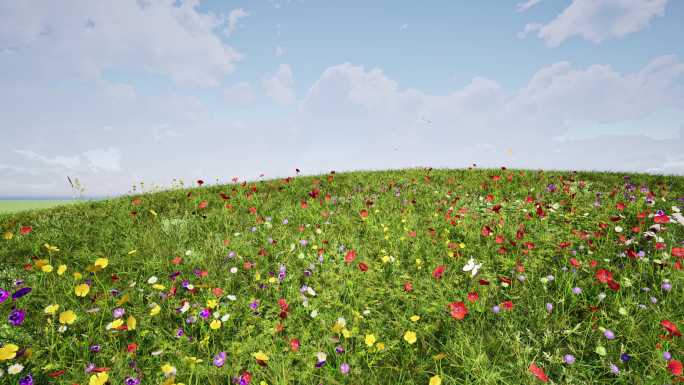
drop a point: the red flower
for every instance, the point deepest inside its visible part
(499, 239)
(604, 276)
(200, 182)
(203, 205)
(408, 287)
(675, 367)
(538, 372)
(678, 252)
(363, 267)
(484, 282)
(661, 219)
(575, 262)
(473, 296)
(25, 230)
(671, 328)
(620, 206)
(439, 270)
(486, 231)
(363, 213)
(294, 344)
(56, 374)
(508, 305)
(458, 310)
(132, 347)
(613, 285)
(350, 256)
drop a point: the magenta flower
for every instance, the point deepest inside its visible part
(344, 368)
(220, 359)
(609, 334)
(17, 316)
(4, 294)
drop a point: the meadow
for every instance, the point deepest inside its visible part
(416, 276)
(15, 205)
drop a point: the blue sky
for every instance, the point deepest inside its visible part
(118, 92)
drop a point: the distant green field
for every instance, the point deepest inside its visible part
(12, 206)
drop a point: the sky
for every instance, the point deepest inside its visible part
(119, 92)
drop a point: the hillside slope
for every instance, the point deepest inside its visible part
(391, 277)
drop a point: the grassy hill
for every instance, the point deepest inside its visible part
(395, 277)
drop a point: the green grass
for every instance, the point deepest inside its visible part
(417, 220)
(12, 206)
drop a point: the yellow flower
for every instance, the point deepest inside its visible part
(215, 324)
(380, 346)
(131, 323)
(155, 310)
(410, 337)
(261, 356)
(272, 280)
(415, 318)
(212, 303)
(168, 370)
(8, 235)
(46, 268)
(158, 286)
(61, 269)
(370, 340)
(51, 309)
(8, 351)
(346, 333)
(67, 317)
(82, 290)
(435, 380)
(385, 259)
(115, 324)
(77, 275)
(99, 378)
(102, 262)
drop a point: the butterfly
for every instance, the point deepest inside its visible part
(472, 266)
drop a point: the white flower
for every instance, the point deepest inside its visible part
(472, 266)
(62, 328)
(310, 291)
(233, 270)
(185, 307)
(314, 313)
(152, 280)
(188, 253)
(342, 322)
(231, 297)
(225, 317)
(618, 229)
(15, 369)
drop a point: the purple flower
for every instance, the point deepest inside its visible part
(231, 254)
(16, 317)
(609, 334)
(344, 368)
(569, 359)
(576, 290)
(614, 369)
(254, 304)
(28, 380)
(132, 381)
(95, 348)
(282, 273)
(21, 292)
(496, 309)
(285, 221)
(185, 284)
(4, 294)
(549, 307)
(220, 359)
(625, 357)
(303, 242)
(179, 333)
(551, 187)
(339, 349)
(174, 275)
(667, 356)
(205, 313)
(118, 312)
(667, 286)
(90, 367)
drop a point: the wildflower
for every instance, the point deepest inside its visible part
(51, 309)
(21, 292)
(609, 334)
(344, 368)
(220, 359)
(67, 317)
(435, 380)
(101, 262)
(118, 312)
(15, 369)
(114, 324)
(667, 356)
(614, 369)
(4, 294)
(472, 266)
(671, 328)
(473, 297)
(131, 323)
(414, 318)
(439, 270)
(261, 358)
(132, 381)
(675, 367)
(82, 290)
(16, 317)
(666, 286)
(215, 324)
(576, 290)
(410, 337)
(549, 307)
(369, 340)
(168, 370)
(321, 359)
(8, 351)
(538, 372)
(496, 309)
(569, 359)
(625, 357)
(155, 310)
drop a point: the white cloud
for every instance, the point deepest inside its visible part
(93, 160)
(280, 87)
(233, 18)
(522, 7)
(240, 93)
(598, 21)
(85, 38)
(403, 27)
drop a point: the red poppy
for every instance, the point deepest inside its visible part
(458, 310)
(363, 213)
(538, 372)
(661, 219)
(177, 260)
(484, 282)
(508, 305)
(675, 367)
(439, 270)
(217, 291)
(56, 374)
(25, 230)
(671, 328)
(132, 347)
(408, 287)
(604, 276)
(613, 285)
(575, 262)
(486, 231)
(678, 252)
(304, 204)
(473, 296)
(203, 205)
(350, 256)
(252, 210)
(363, 267)
(499, 239)
(620, 206)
